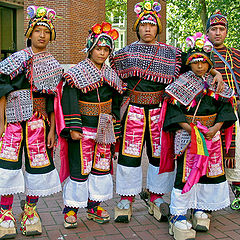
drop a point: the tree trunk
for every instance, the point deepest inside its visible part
(203, 14)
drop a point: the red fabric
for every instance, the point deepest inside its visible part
(60, 125)
(154, 196)
(7, 200)
(167, 145)
(236, 183)
(129, 198)
(228, 137)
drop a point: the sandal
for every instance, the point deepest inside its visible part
(98, 214)
(30, 221)
(201, 220)
(7, 224)
(71, 214)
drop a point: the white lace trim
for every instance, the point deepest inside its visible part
(159, 183)
(128, 180)
(42, 184)
(202, 196)
(11, 181)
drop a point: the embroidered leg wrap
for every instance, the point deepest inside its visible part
(158, 208)
(30, 222)
(70, 217)
(7, 224)
(98, 214)
(180, 228)
(123, 210)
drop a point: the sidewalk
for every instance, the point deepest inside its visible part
(225, 224)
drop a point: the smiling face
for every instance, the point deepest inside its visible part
(200, 68)
(99, 55)
(217, 35)
(147, 32)
(40, 38)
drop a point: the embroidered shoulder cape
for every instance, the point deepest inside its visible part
(86, 77)
(134, 59)
(42, 70)
(189, 85)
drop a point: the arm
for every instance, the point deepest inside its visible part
(2, 114)
(213, 130)
(51, 134)
(186, 127)
(217, 78)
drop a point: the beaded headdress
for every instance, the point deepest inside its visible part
(102, 35)
(148, 12)
(199, 48)
(217, 19)
(41, 16)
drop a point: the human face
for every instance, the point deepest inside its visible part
(200, 68)
(147, 33)
(217, 35)
(40, 38)
(99, 55)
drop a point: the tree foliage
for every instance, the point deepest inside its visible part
(185, 17)
(118, 8)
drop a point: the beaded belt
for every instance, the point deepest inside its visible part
(94, 109)
(207, 121)
(146, 98)
(39, 105)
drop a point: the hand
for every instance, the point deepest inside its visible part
(218, 79)
(2, 130)
(75, 135)
(211, 133)
(51, 139)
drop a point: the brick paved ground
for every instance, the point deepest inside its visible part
(225, 224)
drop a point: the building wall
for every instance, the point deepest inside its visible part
(72, 30)
(131, 17)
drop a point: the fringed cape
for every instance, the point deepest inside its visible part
(134, 59)
(86, 77)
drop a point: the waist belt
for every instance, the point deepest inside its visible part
(146, 98)
(94, 109)
(39, 105)
(207, 121)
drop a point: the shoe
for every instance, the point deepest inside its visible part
(159, 209)
(181, 229)
(7, 224)
(200, 220)
(30, 221)
(98, 214)
(72, 215)
(123, 211)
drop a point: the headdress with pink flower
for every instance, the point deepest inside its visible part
(101, 35)
(41, 16)
(198, 48)
(148, 12)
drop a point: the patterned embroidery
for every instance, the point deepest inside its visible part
(11, 142)
(181, 141)
(145, 97)
(19, 106)
(207, 121)
(94, 109)
(86, 76)
(189, 85)
(102, 158)
(134, 59)
(39, 105)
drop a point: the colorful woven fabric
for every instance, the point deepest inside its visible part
(39, 106)
(189, 85)
(207, 121)
(146, 97)
(86, 76)
(134, 59)
(198, 142)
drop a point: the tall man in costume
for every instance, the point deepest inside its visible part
(217, 27)
(91, 109)
(28, 81)
(196, 110)
(147, 66)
